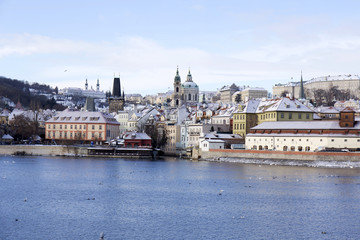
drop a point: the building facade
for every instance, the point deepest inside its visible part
(82, 126)
(343, 134)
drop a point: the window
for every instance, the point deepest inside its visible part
(84, 127)
(71, 135)
(79, 126)
(93, 135)
(290, 115)
(71, 126)
(299, 115)
(189, 97)
(307, 116)
(307, 149)
(60, 126)
(65, 126)
(75, 126)
(100, 135)
(282, 115)
(345, 140)
(332, 140)
(53, 134)
(54, 126)
(65, 134)
(100, 127)
(60, 134)
(320, 140)
(93, 127)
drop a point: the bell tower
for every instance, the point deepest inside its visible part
(177, 90)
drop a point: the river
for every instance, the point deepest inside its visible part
(79, 198)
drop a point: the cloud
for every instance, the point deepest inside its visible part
(145, 66)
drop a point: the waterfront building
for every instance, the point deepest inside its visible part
(255, 112)
(137, 139)
(207, 144)
(82, 126)
(227, 139)
(186, 93)
(307, 135)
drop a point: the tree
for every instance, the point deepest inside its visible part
(21, 127)
(238, 98)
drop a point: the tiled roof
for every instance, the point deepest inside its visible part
(303, 125)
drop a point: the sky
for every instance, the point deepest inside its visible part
(258, 43)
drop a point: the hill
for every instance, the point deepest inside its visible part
(29, 95)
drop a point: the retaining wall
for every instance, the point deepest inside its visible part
(43, 150)
(280, 155)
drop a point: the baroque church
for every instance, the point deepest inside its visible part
(186, 93)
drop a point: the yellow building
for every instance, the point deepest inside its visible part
(82, 126)
(256, 112)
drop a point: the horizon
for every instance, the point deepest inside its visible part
(260, 44)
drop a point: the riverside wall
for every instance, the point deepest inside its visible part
(279, 155)
(43, 150)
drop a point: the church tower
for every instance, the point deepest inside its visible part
(301, 95)
(86, 85)
(177, 90)
(97, 85)
(116, 101)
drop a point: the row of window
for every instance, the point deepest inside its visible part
(71, 135)
(285, 148)
(332, 140)
(75, 126)
(239, 126)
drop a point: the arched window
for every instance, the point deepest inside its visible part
(300, 148)
(292, 148)
(189, 96)
(177, 102)
(195, 97)
(254, 147)
(177, 89)
(285, 148)
(260, 147)
(307, 149)
(266, 147)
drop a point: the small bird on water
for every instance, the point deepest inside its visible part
(102, 236)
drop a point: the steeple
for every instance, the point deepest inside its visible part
(302, 95)
(189, 77)
(86, 85)
(177, 76)
(97, 85)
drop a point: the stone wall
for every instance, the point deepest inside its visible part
(43, 150)
(280, 155)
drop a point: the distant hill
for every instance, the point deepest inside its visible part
(28, 94)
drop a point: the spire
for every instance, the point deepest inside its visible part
(86, 85)
(189, 77)
(302, 95)
(97, 85)
(177, 78)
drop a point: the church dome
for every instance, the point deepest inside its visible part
(189, 85)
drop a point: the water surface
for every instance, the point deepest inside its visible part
(78, 198)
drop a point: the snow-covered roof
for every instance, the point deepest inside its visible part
(69, 116)
(303, 125)
(137, 135)
(221, 136)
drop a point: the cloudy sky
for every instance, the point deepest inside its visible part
(256, 43)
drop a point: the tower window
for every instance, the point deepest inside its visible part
(189, 97)
(177, 89)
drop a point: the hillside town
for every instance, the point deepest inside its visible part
(321, 114)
